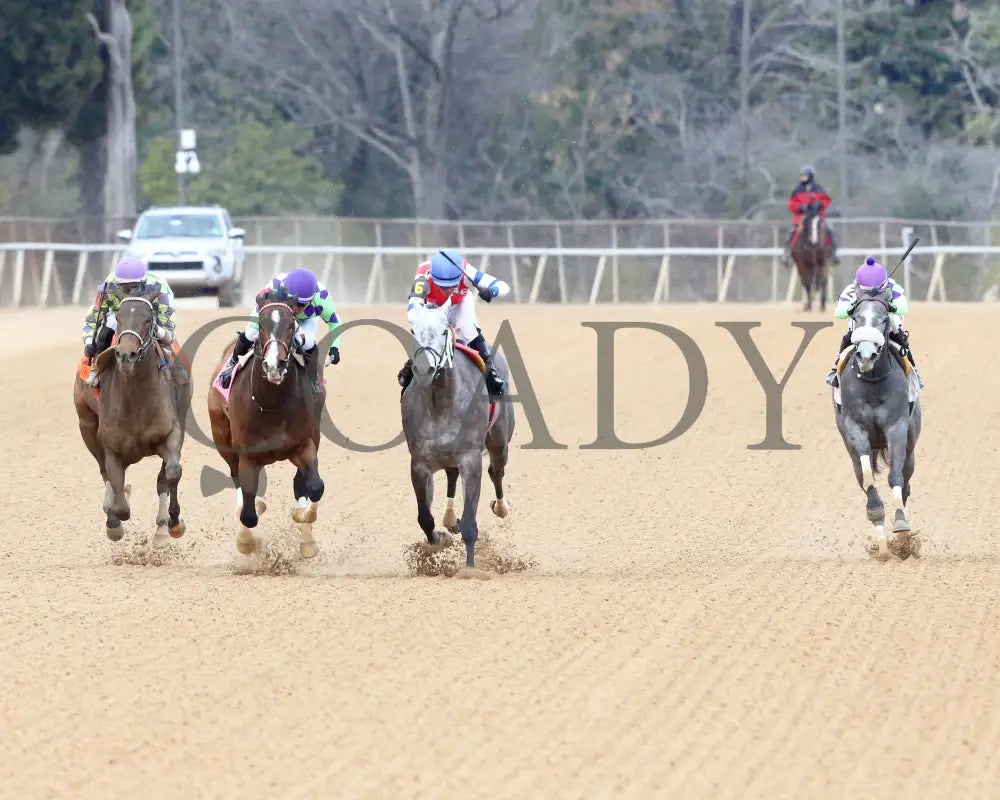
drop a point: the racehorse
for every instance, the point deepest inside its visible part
(811, 253)
(270, 413)
(140, 410)
(878, 415)
(448, 422)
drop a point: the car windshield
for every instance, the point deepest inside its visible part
(160, 226)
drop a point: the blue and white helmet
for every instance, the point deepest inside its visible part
(446, 268)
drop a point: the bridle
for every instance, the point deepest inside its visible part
(144, 340)
(440, 358)
(260, 348)
(884, 330)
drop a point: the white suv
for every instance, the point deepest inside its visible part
(193, 247)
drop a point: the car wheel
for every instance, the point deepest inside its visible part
(230, 294)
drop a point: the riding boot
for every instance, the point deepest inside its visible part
(494, 383)
(309, 356)
(903, 339)
(832, 378)
(833, 247)
(240, 349)
(102, 342)
(786, 257)
(404, 376)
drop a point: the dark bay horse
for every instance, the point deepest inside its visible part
(447, 422)
(878, 417)
(272, 413)
(140, 410)
(811, 253)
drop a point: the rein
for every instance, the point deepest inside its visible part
(883, 352)
(440, 358)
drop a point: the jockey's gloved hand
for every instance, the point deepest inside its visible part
(164, 335)
(89, 348)
(334, 356)
(486, 293)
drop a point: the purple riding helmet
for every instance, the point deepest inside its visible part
(871, 274)
(301, 284)
(130, 270)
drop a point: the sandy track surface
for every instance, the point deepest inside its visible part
(691, 620)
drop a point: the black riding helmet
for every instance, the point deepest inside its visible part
(807, 172)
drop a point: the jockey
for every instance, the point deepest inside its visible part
(448, 274)
(130, 274)
(872, 280)
(807, 191)
(314, 303)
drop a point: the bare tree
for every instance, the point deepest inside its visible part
(120, 165)
(382, 70)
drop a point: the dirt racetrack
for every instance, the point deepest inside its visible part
(690, 620)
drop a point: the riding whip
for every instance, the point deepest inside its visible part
(908, 249)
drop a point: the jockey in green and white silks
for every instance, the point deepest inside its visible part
(130, 274)
(872, 278)
(314, 303)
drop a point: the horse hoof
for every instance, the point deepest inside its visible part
(160, 538)
(500, 507)
(115, 532)
(245, 542)
(177, 531)
(900, 524)
(260, 505)
(308, 549)
(306, 515)
(444, 541)
(881, 542)
(474, 573)
(450, 521)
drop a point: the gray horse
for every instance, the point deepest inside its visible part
(445, 411)
(877, 416)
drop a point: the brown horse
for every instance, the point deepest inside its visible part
(811, 253)
(139, 411)
(271, 414)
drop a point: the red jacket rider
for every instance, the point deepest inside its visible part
(807, 191)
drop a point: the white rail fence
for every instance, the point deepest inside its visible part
(51, 274)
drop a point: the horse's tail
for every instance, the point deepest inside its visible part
(877, 454)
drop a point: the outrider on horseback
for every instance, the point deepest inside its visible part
(454, 408)
(810, 243)
(271, 411)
